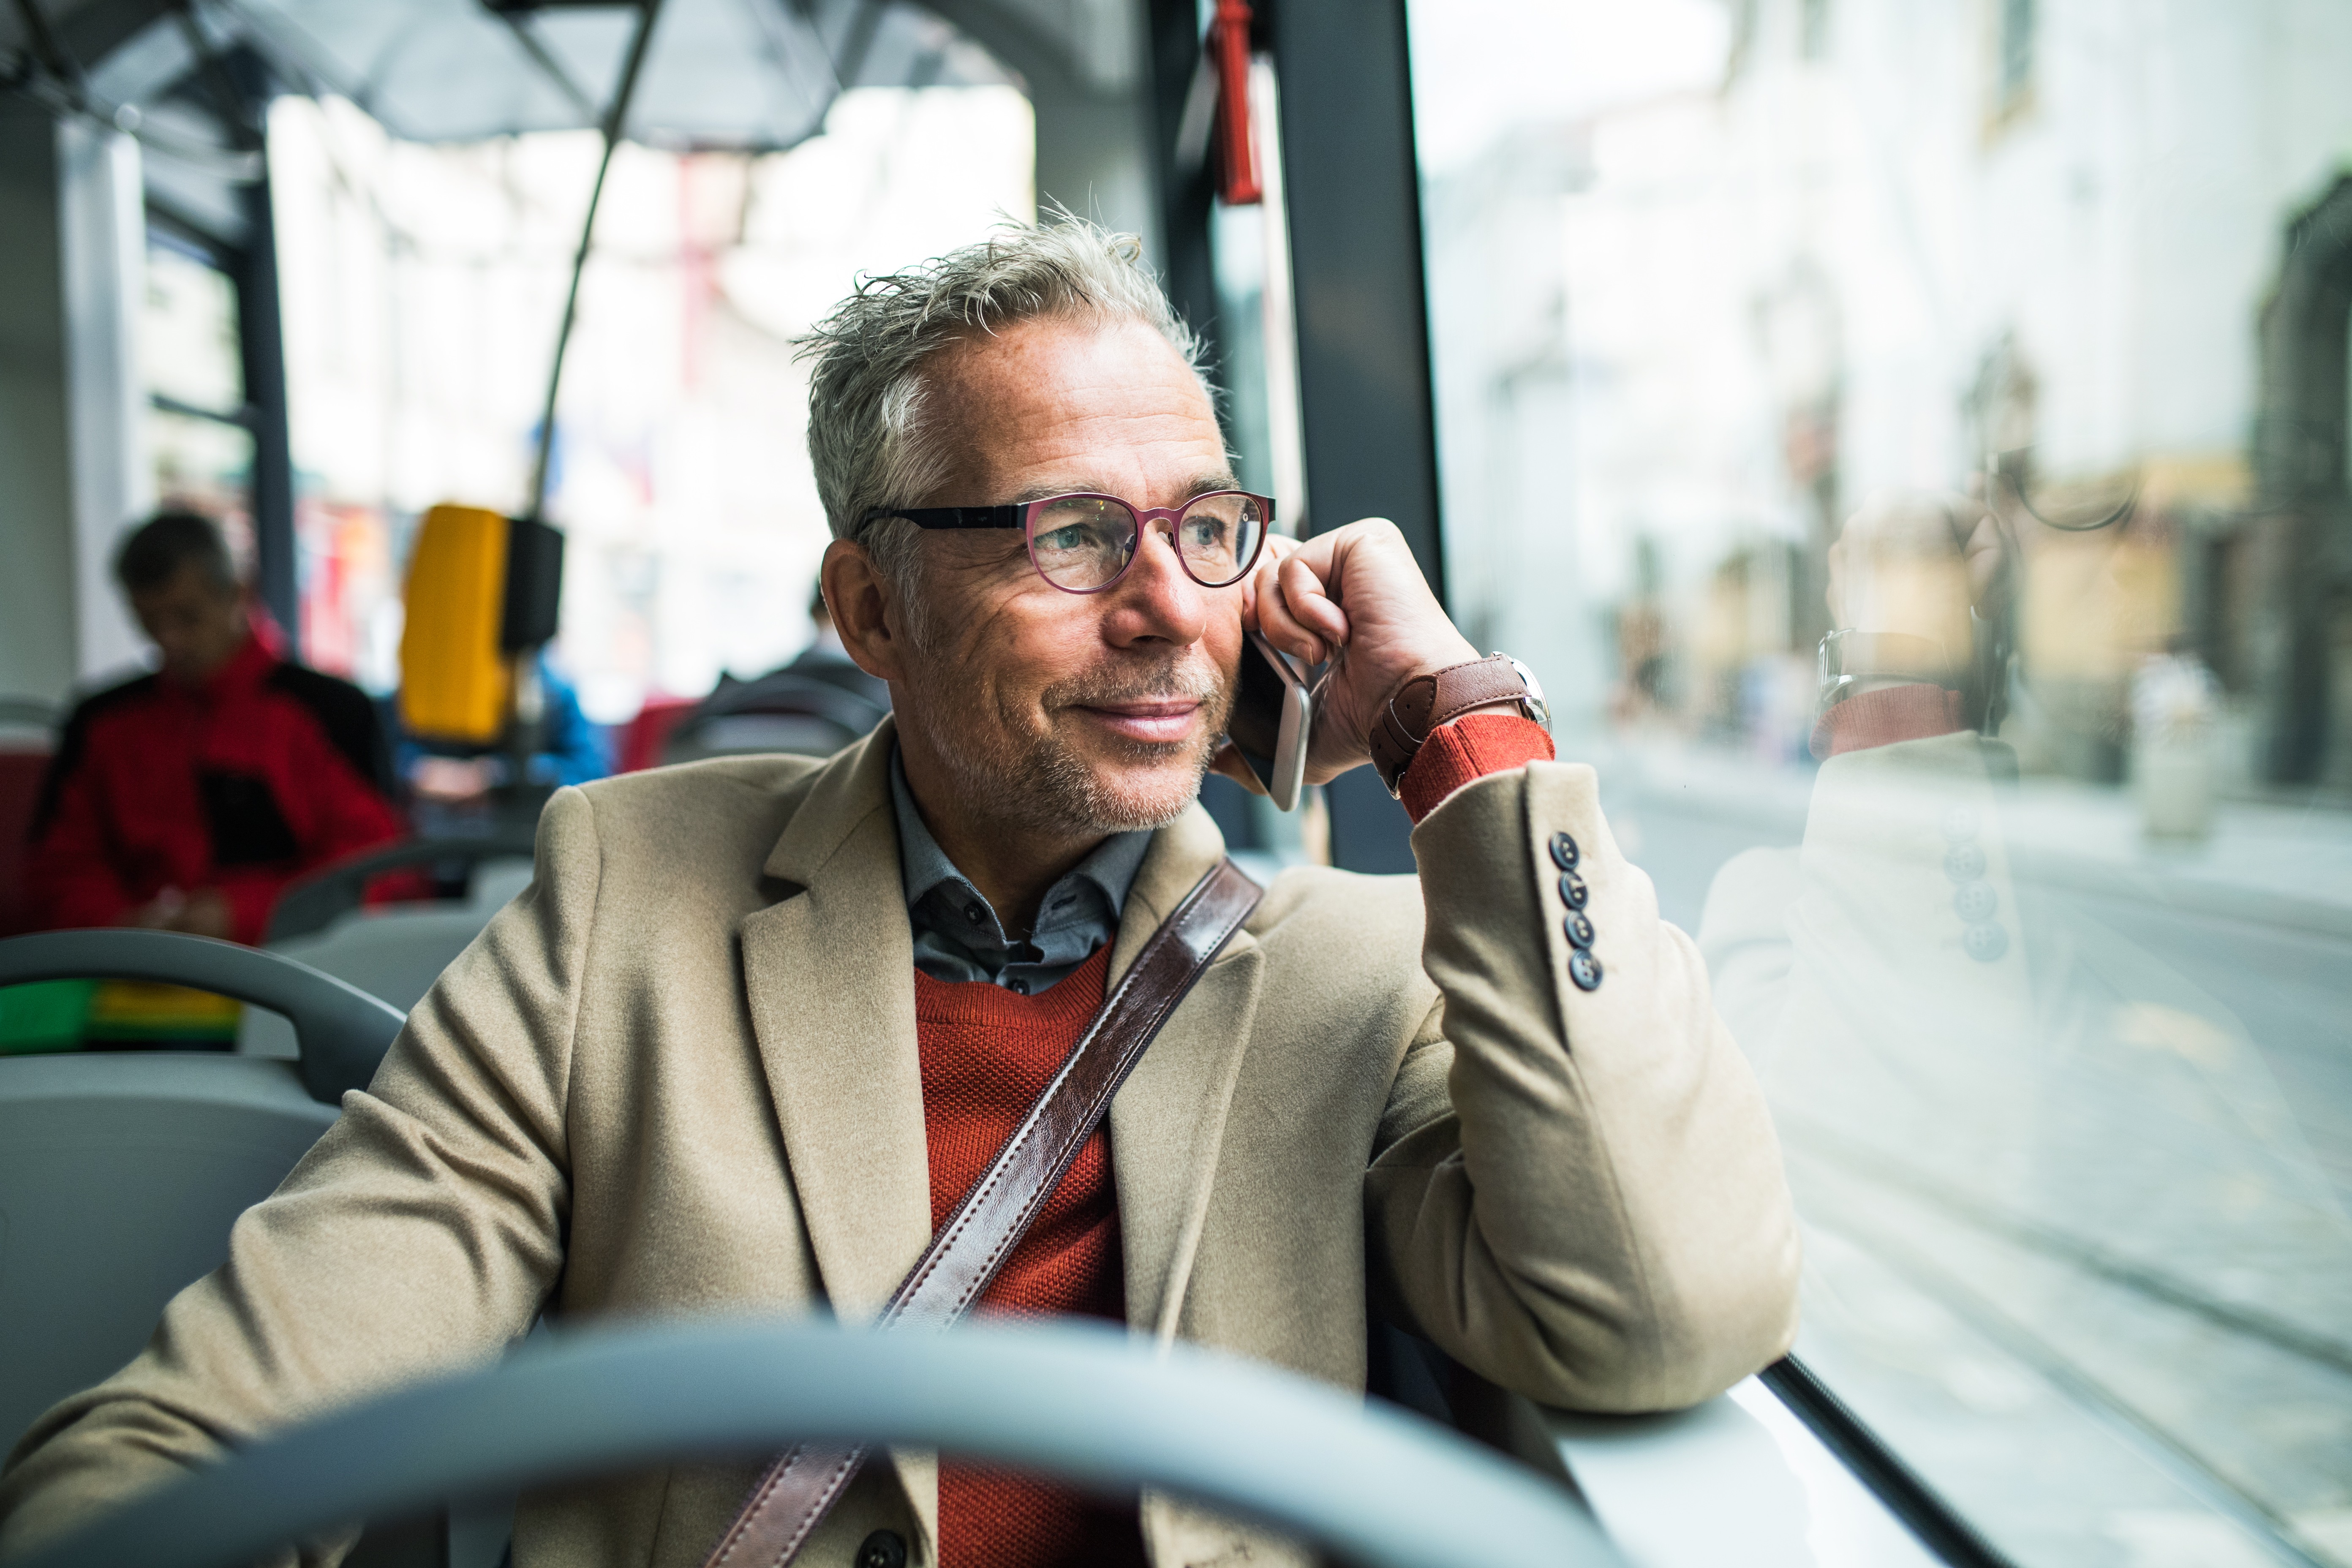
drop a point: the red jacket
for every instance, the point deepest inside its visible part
(265, 771)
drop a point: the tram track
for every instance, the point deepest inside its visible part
(2155, 1438)
(1812, 1137)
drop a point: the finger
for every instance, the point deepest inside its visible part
(1308, 578)
(1260, 584)
(1283, 628)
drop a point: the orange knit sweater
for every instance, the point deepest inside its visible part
(987, 1054)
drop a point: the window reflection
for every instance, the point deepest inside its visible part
(2011, 341)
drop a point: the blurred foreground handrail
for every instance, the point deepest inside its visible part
(342, 1030)
(1090, 1405)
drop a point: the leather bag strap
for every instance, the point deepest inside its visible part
(802, 1486)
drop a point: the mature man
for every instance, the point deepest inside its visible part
(186, 799)
(760, 1021)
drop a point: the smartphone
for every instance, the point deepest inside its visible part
(1274, 719)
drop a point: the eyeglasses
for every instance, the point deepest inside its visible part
(1083, 543)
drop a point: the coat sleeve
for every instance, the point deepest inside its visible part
(424, 1229)
(1577, 1191)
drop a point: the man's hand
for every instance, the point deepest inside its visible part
(1358, 592)
(202, 913)
(1914, 564)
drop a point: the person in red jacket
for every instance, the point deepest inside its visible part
(185, 800)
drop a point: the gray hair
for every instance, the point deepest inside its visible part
(867, 436)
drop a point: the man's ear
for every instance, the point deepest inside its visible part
(862, 601)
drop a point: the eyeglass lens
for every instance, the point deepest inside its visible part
(1083, 542)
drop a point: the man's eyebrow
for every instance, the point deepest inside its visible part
(1202, 484)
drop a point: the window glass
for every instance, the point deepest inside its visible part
(2006, 340)
(198, 451)
(422, 287)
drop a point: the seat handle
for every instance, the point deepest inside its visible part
(342, 1032)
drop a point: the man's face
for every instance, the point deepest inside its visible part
(194, 622)
(1075, 712)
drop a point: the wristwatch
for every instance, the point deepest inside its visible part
(1426, 701)
(1849, 657)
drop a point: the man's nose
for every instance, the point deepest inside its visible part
(1157, 600)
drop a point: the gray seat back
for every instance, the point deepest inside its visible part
(342, 1031)
(395, 953)
(121, 1175)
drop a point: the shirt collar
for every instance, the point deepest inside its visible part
(1110, 866)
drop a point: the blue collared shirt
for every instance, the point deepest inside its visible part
(957, 934)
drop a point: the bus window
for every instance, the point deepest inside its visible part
(422, 285)
(1909, 440)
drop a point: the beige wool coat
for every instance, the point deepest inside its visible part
(679, 1076)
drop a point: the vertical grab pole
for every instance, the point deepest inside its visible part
(615, 117)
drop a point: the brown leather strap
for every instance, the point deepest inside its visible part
(1426, 701)
(785, 1510)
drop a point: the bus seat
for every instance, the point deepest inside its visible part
(121, 1176)
(342, 1032)
(395, 953)
(784, 710)
(27, 734)
(317, 900)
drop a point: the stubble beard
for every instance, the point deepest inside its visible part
(1042, 781)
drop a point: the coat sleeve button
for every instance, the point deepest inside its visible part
(1985, 941)
(1585, 970)
(1572, 890)
(882, 1549)
(1564, 852)
(1580, 930)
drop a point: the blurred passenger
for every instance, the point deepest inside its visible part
(812, 705)
(186, 799)
(826, 658)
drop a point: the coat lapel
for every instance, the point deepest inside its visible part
(830, 974)
(1168, 1122)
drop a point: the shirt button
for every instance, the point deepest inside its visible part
(1580, 930)
(972, 912)
(1572, 890)
(1564, 852)
(882, 1549)
(1585, 970)
(1018, 987)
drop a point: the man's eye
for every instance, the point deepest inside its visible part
(1073, 536)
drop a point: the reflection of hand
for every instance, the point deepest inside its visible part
(1914, 564)
(1356, 591)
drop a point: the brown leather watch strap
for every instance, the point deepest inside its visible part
(1426, 701)
(797, 1491)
